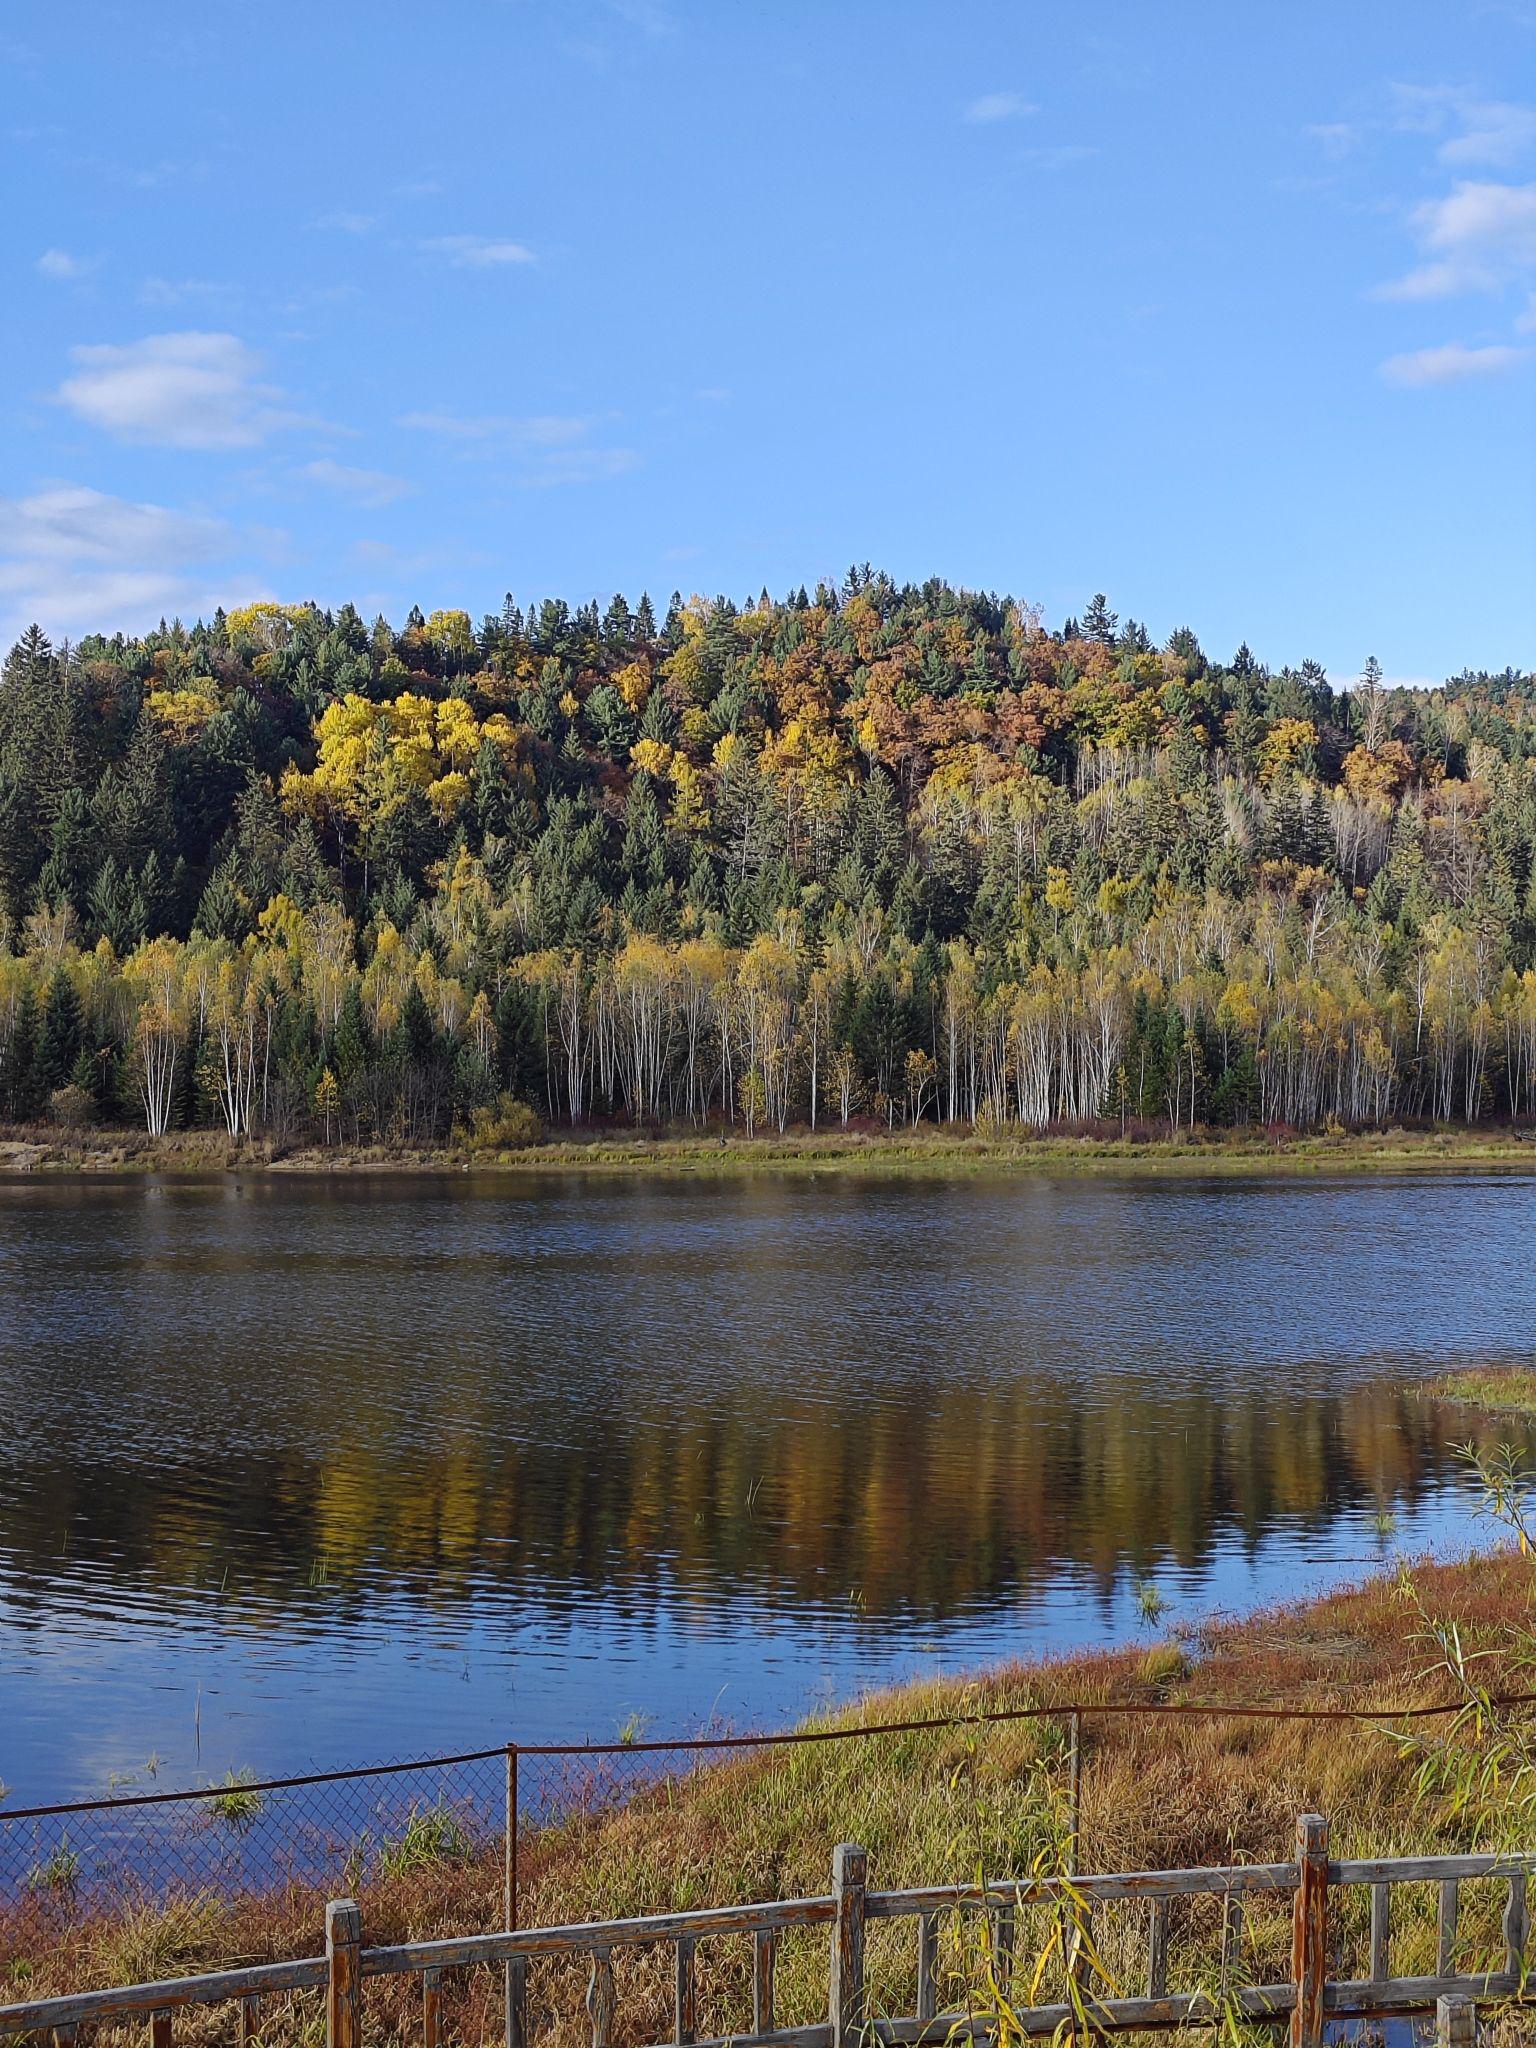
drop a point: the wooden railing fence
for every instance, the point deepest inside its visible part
(1305, 2002)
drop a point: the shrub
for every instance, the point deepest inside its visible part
(71, 1108)
(507, 1127)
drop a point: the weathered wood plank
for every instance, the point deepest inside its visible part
(685, 2000)
(1429, 1869)
(83, 2008)
(344, 1974)
(250, 2019)
(846, 1991)
(160, 2029)
(1309, 1931)
(582, 1937)
(1445, 1932)
(1455, 2023)
(1133, 1884)
(818, 2036)
(600, 1998)
(1157, 1950)
(927, 1965)
(1268, 2001)
(765, 1949)
(431, 2008)
(1003, 1925)
(1231, 1935)
(515, 1994)
(1516, 1928)
(1358, 1997)
(1381, 1929)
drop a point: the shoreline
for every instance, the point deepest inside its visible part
(930, 1804)
(205, 1154)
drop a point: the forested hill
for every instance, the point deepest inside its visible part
(889, 851)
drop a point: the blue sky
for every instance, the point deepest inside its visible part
(1227, 310)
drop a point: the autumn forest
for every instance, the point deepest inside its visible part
(870, 854)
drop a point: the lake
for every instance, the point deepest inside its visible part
(300, 1472)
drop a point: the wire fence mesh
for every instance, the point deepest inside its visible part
(473, 1812)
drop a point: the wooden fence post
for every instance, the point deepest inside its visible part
(1455, 2023)
(849, 1870)
(1309, 1931)
(344, 1974)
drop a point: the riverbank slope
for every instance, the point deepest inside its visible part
(903, 1151)
(937, 1803)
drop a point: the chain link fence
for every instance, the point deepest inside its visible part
(480, 1815)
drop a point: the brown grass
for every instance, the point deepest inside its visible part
(931, 1805)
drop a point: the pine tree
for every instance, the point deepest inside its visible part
(61, 1033)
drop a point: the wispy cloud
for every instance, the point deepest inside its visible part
(997, 106)
(1451, 363)
(477, 252)
(359, 486)
(1477, 238)
(541, 430)
(1061, 156)
(77, 560)
(1470, 129)
(344, 223)
(540, 448)
(191, 390)
(59, 265)
(178, 291)
(1336, 138)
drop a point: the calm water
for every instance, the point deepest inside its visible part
(297, 1473)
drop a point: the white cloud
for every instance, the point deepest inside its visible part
(1472, 130)
(61, 266)
(541, 430)
(191, 390)
(578, 466)
(69, 522)
(77, 560)
(348, 223)
(477, 252)
(176, 291)
(1335, 138)
(997, 106)
(1451, 363)
(361, 486)
(1479, 236)
(645, 15)
(544, 448)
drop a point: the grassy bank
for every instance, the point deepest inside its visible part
(929, 1805)
(902, 1151)
(1498, 1390)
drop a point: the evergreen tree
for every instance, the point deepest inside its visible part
(60, 1034)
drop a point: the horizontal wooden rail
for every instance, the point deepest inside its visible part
(83, 2008)
(1430, 1869)
(1309, 1999)
(1129, 1884)
(582, 1937)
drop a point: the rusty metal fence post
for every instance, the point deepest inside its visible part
(516, 1977)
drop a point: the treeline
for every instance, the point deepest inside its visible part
(878, 852)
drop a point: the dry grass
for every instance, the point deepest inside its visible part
(928, 1148)
(1498, 1390)
(929, 1805)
